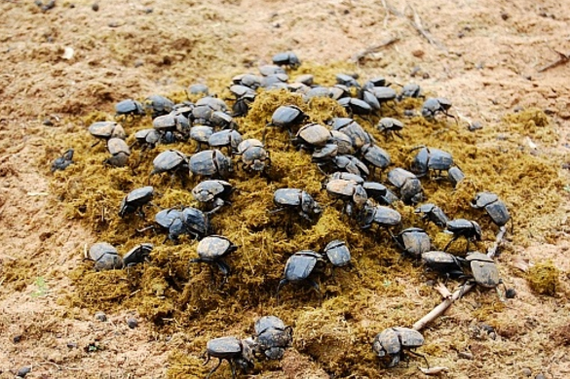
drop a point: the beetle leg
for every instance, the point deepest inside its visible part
(450, 242)
(419, 355)
(215, 368)
(225, 269)
(282, 282)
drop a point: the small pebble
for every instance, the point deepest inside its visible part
(48, 122)
(505, 16)
(511, 293)
(95, 7)
(475, 125)
(540, 376)
(526, 371)
(17, 339)
(100, 316)
(132, 322)
(23, 372)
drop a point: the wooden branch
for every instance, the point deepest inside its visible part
(562, 58)
(446, 303)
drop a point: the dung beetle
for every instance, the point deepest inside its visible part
(158, 105)
(172, 122)
(390, 126)
(238, 353)
(317, 91)
(205, 107)
(299, 267)
(190, 221)
(347, 163)
(380, 215)
(198, 89)
(147, 138)
(105, 130)
(254, 157)
(170, 161)
(242, 104)
(433, 106)
(339, 91)
(391, 344)
(347, 80)
(215, 193)
(63, 162)
(212, 250)
(463, 228)
(413, 242)
(138, 254)
(120, 152)
(337, 253)
(306, 79)
(201, 134)
(311, 136)
(483, 269)
(286, 117)
(272, 337)
(383, 94)
(495, 208)
(409, 185)
(352, 129)
(222, 120)
(410, 90)
(105, 257)
(378, 81)
(433, 213)
(248, 80)
(351, 193)
(129, 107)
(229, 138)
(375, 156)
(355, 106)
(210, 163)
(298, 200)
(369, 98)
(135, 201)
(444, 263)
(344, 176)
(275, 81)
(430, 159)
(342, 141)
(271, 69)
(287, 58)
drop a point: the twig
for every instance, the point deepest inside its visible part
(356, 58)
(59, 367)
(438, 311)
(416, 22)
(562, 58)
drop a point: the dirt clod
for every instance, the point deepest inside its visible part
(543, 278)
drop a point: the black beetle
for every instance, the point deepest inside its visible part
(455, 175)
(229, 138)
(63, 162)
(201, 134)
(355, 106)
(135, 201)
(444, 263)
(378, 81)
(210, 163)
(254, 157)
(105, 130)
(105, 257)
(383, 94)
(212, 250)
(432, 106)
(190, 221)
(299, 267)
(410, 90)
(198, 89)
(347, 80)
(380, 215)
(272, 337)
(158, 105)
(271, 69)
(170, 161)
(138, 254)
(311, 136)
(483, 269)
(337, 253)
(375, 156)
(347, 163)
(413, 242)
(409, 185)
(433, 213)
(287, 58)
(286, 117)
(296, 199)
(248, 80)
(391, 344)
(147, 138)
(495, 208)
(238, 353)
(129, 107)
(120, 152)
(389, 126)
(352, 129)
(350, 192)
(213, 192)
(463, 228)
(430, 159)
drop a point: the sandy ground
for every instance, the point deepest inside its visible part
(485, 56)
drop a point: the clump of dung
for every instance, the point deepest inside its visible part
(543, 278)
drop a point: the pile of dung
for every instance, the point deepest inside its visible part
(382, 290)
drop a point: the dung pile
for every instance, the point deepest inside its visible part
(382, 290)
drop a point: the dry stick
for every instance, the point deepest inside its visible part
(562, 58)
(373, 49)
(446, 303)
(417, 24)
